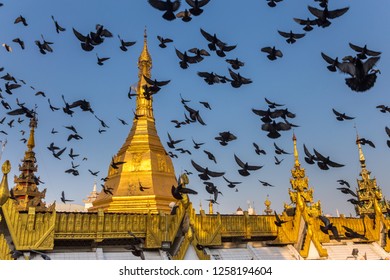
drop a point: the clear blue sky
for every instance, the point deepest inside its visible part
(299, 80)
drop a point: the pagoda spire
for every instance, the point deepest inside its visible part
(25, 190)
(362, 159)
(145, 161)
(144, 106)
(296, 155)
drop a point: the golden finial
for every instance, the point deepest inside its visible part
(4, 191)
(267, 204)
(362, 159)
(145, 56)
(211, 208)
(31, 140)
(296, 157)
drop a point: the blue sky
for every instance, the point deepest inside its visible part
(299, 80)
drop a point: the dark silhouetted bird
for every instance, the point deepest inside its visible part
(364, 141)
(101, 60)
(225, 137)
(20, 42)
(44, 46)
(163, 41)
(107, 190)
(125, 44)
(341, 116)
(199, 53)
(273, 53)
(93, 173)
(324, 162)
(278, 161)
(21, 19)
(230, 183)
(273, 128)
(115, 164)
(168, 7)
(388, 134)
(307, 23)
(258, 150)
(194, 115)
(205, 104)
(196, 144)
(184, 15)
(210, 156)
(245, 167)
(63, 199)
(272, 3)
(266, 184)
(343, 182)
(58, 27)
(185, 59)
(278, 221)
(280, 151)
(177, 192)
(383, 108)
(328, 226)
(196, 6)
(291, 37)
(72, 155)
(363, 52)
(363, 76)
(350, 233)
(309, 158)
(171, 143)
(209, 77)
(347, 191)
(7, 47)
(235, 63)
(205, 173)
(323, 16)
(238, 80)
(59, 153)
(333, 63)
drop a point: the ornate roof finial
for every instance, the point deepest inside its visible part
(211, 211)
(296, 156)
(31, 140)
(362, 159)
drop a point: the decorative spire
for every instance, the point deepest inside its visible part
(144, 106)
(144, 159)
(362, 159)
(4, 191)
(31, 140)
(25, 190)
(296, 156)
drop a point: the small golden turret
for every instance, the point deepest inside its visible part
(25, 190)
(211, 211)
(267, 204)
(369, 194)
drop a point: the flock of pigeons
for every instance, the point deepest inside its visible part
(275, 118)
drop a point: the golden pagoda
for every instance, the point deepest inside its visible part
(26, 190)
(143, 182)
